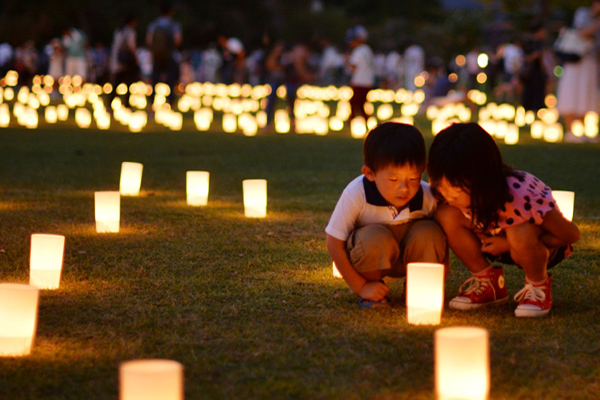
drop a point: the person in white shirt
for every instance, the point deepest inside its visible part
(383, 219)
(361, 64)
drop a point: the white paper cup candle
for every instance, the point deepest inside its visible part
(131, 178)
(108, 211)
(566, 202)
(18, 318)
(255, 198)
(424, 293)
(46, 260)
(151, 380)
(197, 187)
(462, 369)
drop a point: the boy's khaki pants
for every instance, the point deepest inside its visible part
(392, 247)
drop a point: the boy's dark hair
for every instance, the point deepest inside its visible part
(393, 143)
(468, 157)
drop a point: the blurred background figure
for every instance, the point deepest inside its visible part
(75, 44)
(163, 38)
(233, 55)
(124, 62)
(210, 64)
(56, 63)
(533, 74)
(361, 64)
(6, 58)
(414, 64)
(26, 62)
(577, 91)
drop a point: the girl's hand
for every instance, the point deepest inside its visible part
(374, 291)
(494, 245)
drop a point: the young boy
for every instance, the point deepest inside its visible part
(382, 219)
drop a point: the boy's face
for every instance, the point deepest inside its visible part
(455, 196)
(398, 184)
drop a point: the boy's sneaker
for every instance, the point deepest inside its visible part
(534, 301)
(482, 291)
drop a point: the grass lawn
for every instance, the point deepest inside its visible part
(249, 306)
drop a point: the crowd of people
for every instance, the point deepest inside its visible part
(520, 71)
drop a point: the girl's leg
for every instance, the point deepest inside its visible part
(461, 239)
(527, 250)
(486, 287)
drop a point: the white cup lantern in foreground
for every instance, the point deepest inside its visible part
(152, 379)
(108, 211)
(18, 318)
(336, 271)
(462, 367)
(255, 198)
(46, 260)
(424, 293)
(131, 178)
(197, 187)
(566, 202)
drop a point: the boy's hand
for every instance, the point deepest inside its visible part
(374, 291)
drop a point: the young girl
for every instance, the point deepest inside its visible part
(494, 212)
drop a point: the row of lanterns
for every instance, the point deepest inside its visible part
(107, 203)
(18, 302)
(242, 109)
(461, 353)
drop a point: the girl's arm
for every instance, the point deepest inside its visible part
(558, 231)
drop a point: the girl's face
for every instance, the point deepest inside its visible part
(455, 196)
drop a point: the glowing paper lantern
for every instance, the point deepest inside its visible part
(203, 118)
(255, 198)
(108, 211)
(51, 115)
(4, 115)
(553, 133)
(424, 293)
(566, 202)
(138, 121)
(197, 187)
(537, 130)
(462, 369)
(131, 178)
(46, 259)
(358, 127)
(103, 121)
(229, 122)
(512, 134)
(18, 318)
(83, 117)
(151, 380)
(336, 272)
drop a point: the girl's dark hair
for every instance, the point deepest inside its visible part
(393, 143)
(468, 157)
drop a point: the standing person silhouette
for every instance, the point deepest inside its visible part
(124, 63)
(361, 64)
(163, 38)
